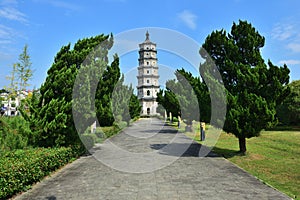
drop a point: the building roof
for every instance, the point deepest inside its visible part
(147, 40)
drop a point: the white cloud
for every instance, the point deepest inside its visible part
(289, 62)
(8, 10)
(13, 14)
(295, 47)
(5, 32)
(288, 31)
(9, 34)
(8, 37)
(282, 31)
(188, 18)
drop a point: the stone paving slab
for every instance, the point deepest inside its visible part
(187, 177)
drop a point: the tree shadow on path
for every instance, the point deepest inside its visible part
(51, 198)
(184, 149)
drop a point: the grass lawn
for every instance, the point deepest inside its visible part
(273, 157)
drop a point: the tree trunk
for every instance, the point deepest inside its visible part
(189, 128)
(242, 144)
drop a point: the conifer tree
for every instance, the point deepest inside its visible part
(21, 73)
(54, 110)
(168, 100)
(23, 69)
(188, 102)
(289, 111)
(85, 88)
(180, 99)
(134, 107)
(125, 104)
(202, 93)
(13, 85)
(253, 87)
(177, 97)
(104, 95)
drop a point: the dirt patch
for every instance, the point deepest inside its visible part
(254, 156)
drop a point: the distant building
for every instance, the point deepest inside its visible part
(148, 77)
(10, 104)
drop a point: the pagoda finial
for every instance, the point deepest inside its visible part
(147, 36)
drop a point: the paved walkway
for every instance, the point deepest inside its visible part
(145, 162)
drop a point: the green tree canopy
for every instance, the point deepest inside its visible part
(180, 97)
(201, 91)
(289, 111)
(134, 107)
(21, 74)
(168, 100)
(107, 84)
(253, 87)
(125, 104)
(53, 119)
(23, 67)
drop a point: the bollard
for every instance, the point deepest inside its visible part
(202, 131)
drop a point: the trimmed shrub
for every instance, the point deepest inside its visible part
(21, 168)
(175, 119)
(99, 133)
(15, 133)
(110, 130)
(120, 125)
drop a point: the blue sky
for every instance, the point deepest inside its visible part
(47, 25)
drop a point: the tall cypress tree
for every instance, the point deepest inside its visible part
(54, 110)
(125, 104)
(202, 93)
(180, 98)
(106, 87)
(168, 100)
(134, 106)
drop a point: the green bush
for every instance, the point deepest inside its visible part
(21, 168)
(175, 119)
(99, 133)
(120, 125)
(110, 130)
(15, 133)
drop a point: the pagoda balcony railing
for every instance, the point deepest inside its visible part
(147, 76)
(147, 66)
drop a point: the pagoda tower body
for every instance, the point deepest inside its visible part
(148, 77)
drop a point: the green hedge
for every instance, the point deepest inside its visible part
(21, 168)
(110, 130)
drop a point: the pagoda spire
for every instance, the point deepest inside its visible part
(147, 36)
